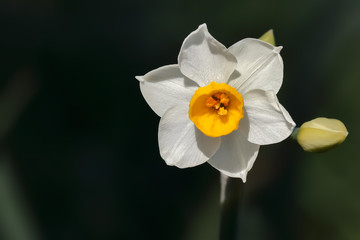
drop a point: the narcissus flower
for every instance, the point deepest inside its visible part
(218, 104)
(321, 134)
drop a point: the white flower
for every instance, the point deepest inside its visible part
(218, 104)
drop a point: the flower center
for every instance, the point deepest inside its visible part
(219, 101)
(216, 109)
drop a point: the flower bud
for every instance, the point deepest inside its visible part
(268, 37)
(321, 134)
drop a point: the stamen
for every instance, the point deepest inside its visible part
(222, 111)
(219, 101)
(211, 102)
(224, 99)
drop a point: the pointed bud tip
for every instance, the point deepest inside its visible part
(268, 37)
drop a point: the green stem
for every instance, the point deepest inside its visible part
(232, 192)
(294, 134)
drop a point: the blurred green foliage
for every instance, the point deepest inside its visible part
(83, 142)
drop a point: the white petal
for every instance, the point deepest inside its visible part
(235, 156)
(260, 66)
(265, 120)
(203, 59)
(181, 143)
(166, 87)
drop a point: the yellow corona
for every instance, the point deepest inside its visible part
(216, 109)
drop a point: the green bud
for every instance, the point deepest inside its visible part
(268, 37)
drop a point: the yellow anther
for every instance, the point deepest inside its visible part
(211, 102)
(224, 99)
(219, 101)
(222, 111)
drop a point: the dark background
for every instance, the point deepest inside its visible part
(78, 144)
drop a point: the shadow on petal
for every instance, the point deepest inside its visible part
(234, 77)
(244, 125)
(203, 141)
